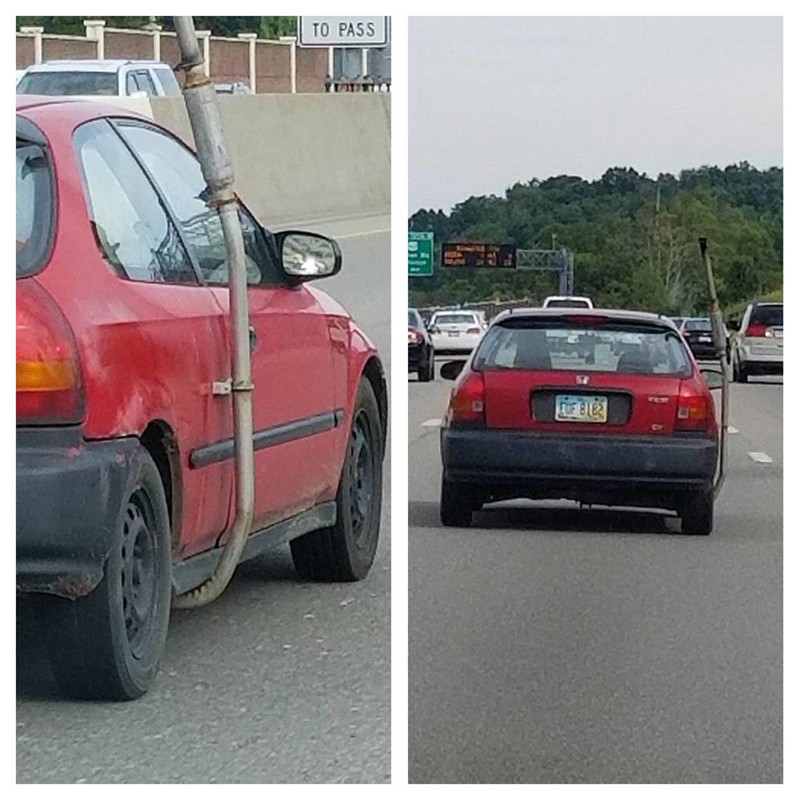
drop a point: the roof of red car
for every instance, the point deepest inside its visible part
(74, 106)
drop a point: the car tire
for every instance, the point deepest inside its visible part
(697, 515)
(346, 550)
(455, 506)
(425, 372)
(108, 644)
(739, 375)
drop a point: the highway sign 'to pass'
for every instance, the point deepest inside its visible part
(420, 254)
(343, 31)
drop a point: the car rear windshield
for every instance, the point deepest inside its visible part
(62, 83)
(454, 319)
(34, 207)
(567, 304)
(768, 315)
(612, 346)
(698, 325)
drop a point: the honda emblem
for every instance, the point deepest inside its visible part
(582, 380)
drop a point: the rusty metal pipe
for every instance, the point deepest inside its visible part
(719, 337)
(206, 121)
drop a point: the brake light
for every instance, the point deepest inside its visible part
(49, 385)
(467, 404)
(586, 319)
(757, 330)
(414, 337)
(473, 330)
(695, 409)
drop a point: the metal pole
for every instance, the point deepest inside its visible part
(206, 122)
(718, 334)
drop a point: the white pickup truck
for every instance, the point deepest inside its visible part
(109, 78)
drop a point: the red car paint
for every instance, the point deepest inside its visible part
(150, 352)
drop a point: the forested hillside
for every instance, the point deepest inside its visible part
(634, 238)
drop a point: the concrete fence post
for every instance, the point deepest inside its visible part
(36, 32)
(205, 36)
(95, 29)
(330, 70)
(250, 38)
(292, 42)
(155, 30)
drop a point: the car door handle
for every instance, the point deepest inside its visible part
(253, 338)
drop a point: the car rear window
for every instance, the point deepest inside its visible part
(698, 325)
(567, 304)
(65, 83)
(605, 347)
(768, 315)
(454, 319)
(34, 207)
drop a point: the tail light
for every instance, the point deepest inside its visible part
(695, 409)
(49, 385)
(757, 330)
(414, 337)
(473, 330)
(467, 405)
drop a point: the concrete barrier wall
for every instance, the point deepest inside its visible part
(303, 158)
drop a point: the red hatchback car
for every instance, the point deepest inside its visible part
(124, 424)
(626, 420)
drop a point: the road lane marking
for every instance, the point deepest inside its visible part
(760, 458)
(432, 423)
(363, 233)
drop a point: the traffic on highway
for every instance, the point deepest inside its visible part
(595, 474)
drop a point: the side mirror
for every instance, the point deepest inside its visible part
(452, 369)
(713, 378)
(306, 256)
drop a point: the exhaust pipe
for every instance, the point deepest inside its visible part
(720, 341)
(204, 116)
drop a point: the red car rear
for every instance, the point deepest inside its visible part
(124, 423)
(626, 419)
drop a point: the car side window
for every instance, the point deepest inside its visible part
(132, 228)
(177, 172)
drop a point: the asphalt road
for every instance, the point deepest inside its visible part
(277, 681)
(553, 645)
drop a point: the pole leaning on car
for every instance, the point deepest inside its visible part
(719, 337)
(201, 104)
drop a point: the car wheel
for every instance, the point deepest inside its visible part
(345, 551)
(697, 515)
(455, 506)
(425, 371)
(108, 644)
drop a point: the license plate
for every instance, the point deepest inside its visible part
(452, 334)
(705, 338)
(581, 408)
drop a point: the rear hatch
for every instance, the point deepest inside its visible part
(625, 379)
(453, 326)
(764, 333)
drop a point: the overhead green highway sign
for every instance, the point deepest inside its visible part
(420, 254)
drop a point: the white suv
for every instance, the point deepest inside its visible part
(561, 301)
(757, 347)
(111, 78)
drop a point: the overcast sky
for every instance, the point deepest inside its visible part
(497, 100)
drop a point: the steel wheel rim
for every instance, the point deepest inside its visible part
(362, 475)
(138, 574)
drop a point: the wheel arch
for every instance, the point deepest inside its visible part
(160, 441)
(373, 372)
